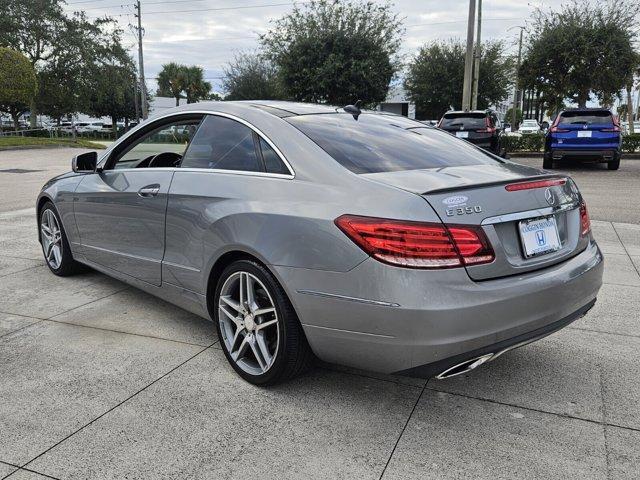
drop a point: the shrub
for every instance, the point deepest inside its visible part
(631, 143)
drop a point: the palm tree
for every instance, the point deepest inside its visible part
(195, 86)
(171, 81)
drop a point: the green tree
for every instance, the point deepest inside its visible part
(335, 51)
(509, 116)
(251, 77)
(171, 81)
(435, 76)
(17, 83)
(195, 86)
(110, 85)
(585, 48)
(44, 33)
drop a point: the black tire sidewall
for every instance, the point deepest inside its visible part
(282, 310)
(67, 263)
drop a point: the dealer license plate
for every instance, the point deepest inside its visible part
(462, 134)
(539, 236)
(584, 133)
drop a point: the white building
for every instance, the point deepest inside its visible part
(397, 102)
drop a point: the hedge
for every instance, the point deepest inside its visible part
(535, 143)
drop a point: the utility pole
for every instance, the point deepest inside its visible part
(143, 85)
(468, 60)
(476, 64)
(516, 92)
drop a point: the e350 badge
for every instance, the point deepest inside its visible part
(457, 205)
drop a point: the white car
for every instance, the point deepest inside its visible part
(529, 127)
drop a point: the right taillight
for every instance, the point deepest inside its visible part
(585, 223)
(417, 244)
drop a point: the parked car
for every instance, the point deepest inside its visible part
(367, 239)
(528, 127)
(480, 127)
(87, 127)
(584, 133)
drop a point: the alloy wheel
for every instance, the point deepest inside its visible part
(248, 323)
(51, 239)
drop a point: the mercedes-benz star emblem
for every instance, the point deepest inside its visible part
(549, 196)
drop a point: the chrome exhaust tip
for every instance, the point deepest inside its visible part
(464, 367)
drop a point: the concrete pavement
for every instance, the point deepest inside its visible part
(100, 380)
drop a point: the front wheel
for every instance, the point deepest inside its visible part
(258, 329)
(55, 245)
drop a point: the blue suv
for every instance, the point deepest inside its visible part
(585, 133)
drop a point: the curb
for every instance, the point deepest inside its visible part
(44, 147)
(625, 156)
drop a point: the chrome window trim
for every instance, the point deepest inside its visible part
(290, 176)
(538, 212)
(202, 170)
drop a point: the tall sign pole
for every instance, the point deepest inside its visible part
(476, 63)
(143, 85)
(468, 60)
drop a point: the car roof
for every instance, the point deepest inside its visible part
(483, 112)
(276, 107)
(586, 109)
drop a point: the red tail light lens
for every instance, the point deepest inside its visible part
(417, 244)
(585, 222)
(488, 127)
(552, 182)
(558, 130)
(615, 128)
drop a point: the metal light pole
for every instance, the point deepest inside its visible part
(468, 60)
(516, 92)
(476, 64)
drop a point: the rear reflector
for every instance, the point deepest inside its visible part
(417, 244)
(552, 182)
(585, 222)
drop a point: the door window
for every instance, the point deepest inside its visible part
(226, 144)
(163, 147)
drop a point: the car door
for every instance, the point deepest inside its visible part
(226, 165)
(120, 210)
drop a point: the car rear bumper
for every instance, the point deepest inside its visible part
(396, 320)
(604, 154)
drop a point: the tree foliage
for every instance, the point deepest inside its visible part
(435, 76)
(182, 81)
(17, 83)
(250, 76)
(586, 47)
(57, 45)
(335, 51)
(110, 84)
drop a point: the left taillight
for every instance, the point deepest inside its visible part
(417, 244)
(585, 222)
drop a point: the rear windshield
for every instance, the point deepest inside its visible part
(381, 143)
(587, 118)
(464, 120)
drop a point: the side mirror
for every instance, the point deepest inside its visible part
(85, 162)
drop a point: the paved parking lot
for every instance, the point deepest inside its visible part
(99, 380)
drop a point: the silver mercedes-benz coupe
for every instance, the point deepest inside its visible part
(362, 238)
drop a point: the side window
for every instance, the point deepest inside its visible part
(272, 162)
(162, 147)
(223, 143)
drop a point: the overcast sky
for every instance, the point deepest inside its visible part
(209, 32)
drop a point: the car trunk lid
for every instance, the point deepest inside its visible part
(477, 195)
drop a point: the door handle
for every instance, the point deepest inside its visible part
(149, 191)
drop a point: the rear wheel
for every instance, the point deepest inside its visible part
(55, 245)
(614, 164)
(547, 161)
(258, 329)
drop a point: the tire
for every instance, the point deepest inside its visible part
(260, 355)
(547, 161)
(57, 257)
(614, 164)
